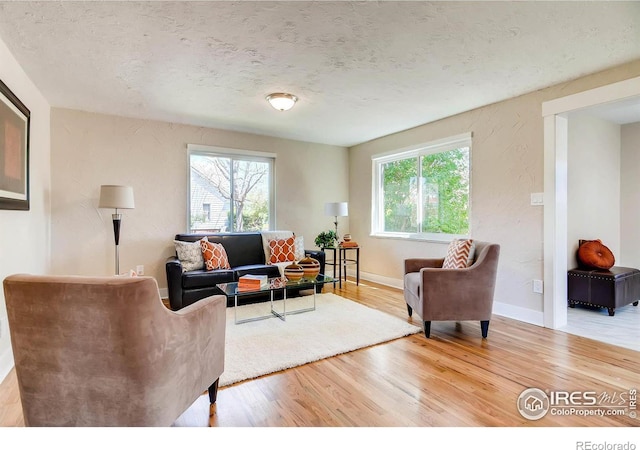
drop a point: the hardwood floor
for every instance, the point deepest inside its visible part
(456, 378)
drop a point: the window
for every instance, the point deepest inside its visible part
(423, 192)
(229, 190)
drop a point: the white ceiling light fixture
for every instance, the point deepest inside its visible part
(282, 101)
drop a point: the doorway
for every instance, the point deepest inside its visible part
(555, 114)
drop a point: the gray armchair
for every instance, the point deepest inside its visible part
(105, 351)
(452, 294)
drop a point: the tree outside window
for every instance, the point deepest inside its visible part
(423, 192)
(229, 192)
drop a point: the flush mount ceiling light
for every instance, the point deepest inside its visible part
(282, 101)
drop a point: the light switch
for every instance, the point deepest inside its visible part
(537, 198)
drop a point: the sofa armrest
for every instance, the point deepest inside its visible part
(415, 264)
(173, 268)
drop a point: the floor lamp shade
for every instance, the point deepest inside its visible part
(116, 197)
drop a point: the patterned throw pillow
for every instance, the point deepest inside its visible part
(299, 248)
(282, 250)
(214, 255)
(190, 255)
(460, 254)
(268, 235)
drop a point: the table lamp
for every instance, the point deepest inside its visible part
(336, 209)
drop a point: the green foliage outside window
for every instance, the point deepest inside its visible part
(449, 172)
(439, 182)
(400, 195)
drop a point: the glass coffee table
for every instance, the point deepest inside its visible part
(274, 285)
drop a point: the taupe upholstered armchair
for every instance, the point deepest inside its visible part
(452, 294)
(105, 351)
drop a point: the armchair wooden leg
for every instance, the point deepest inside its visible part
(409, 310)
(213, 391)
(427, 329)
(484, 325)
(213, 395)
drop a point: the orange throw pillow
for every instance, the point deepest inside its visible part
(214, 255)
(596, 255)
(282, 250)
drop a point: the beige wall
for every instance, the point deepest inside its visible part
(89, 150)
(507, 166)
(630, 196)
(25, 235)
(593, 183)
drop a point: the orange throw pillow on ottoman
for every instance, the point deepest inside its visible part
(596, 255)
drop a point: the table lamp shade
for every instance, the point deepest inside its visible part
(336, 209)
(118, 197)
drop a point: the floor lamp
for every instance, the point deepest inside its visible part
(117, 197)
(336, 209)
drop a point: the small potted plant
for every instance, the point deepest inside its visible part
(326, 239)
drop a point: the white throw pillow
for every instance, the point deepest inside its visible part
(299, 248)
(190, 255)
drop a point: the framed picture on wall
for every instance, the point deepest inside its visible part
(14, 151)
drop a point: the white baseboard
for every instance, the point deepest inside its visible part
(6, 363)
(164, 292)
(386, 281)
(519, 313)
(500, 309)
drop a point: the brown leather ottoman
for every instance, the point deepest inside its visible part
(609, 289)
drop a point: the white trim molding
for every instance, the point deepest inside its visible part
(518, 313)
(554, 114)
(210, 149)
(385, 281)
(597, 96)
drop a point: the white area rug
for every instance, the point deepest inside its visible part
(336, 326)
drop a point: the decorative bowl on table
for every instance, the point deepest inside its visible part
(294, 272)
(310, 267)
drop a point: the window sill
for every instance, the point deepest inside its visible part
(438, 239)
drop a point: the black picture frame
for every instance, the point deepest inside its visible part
(15, 122)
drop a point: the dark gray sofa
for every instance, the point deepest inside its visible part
(246, 256)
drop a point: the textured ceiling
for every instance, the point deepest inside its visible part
(360, 69)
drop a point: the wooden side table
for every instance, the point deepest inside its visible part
(344, 261)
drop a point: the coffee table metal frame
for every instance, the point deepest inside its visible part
(273, 285)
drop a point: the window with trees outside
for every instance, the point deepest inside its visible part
(229, 190)
(423, 192)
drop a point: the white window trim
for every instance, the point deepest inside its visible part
(209, 150)
(224, 151)
(461, 140)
